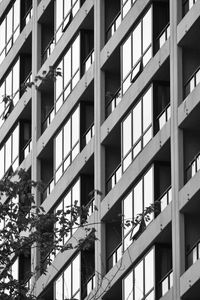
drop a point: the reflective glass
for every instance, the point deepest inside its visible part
(9, 84)
(15, 269)
(9, 25)
(149, 271)
(58, 145)
(76, 193)
(138, 288)
(2, 162)
(67, 137)
(16, 80)
(128, 286)
(75, 55)
(76, 274)
(59, 81)
(126, 57)
(147, 109)
(137, 122)
(8, 154)
(67, 7)
(67, 66)
(59, 288)
(137, 51)
(59, 12)
(126, 127)
(128, 211)
(147, 29)
(16, 14)
(2, 35)
(15, 143)
(75, 127)
(67, 283)
(148, 188)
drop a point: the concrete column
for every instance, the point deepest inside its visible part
(176, 149)
(36, 121)
(99, 156)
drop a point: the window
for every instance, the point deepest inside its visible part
(72, 196)
(70, 69)
(9, 29)
(68, 284)
(67, 144)
(187, 5)
(65, 11)
(137, 50)
(139, 283)
(126, 6)
(140, 197)
(9, 89)
(137, 129)
(9, 153)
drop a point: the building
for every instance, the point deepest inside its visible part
(122, 121)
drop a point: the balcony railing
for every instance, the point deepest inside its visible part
(164, 116)
(114, 257)
(114, 178)
(88, 135)
(88, 61)
(48, 119)
(48, 189)
(192, 82)
(163, 36)
(112, 104)
(90, 206)
(167, 282)
(187, 5)
(27, 16)
(165, 198)
(193, 167)
(48, 50)
(193, 254)
(113, 26)
(90, 284)
(27, 148)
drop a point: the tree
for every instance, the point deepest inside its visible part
(23, 226)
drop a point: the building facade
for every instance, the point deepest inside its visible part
(119, 129)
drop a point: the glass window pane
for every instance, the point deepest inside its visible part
(67, 7)
(76, 193)
(9, 25)
(137, 122)
(126, 133)
(9, 85)
(58, 150)
(59, 13)
(148, 188)
(75, 127)
(67, 137)
(67, 67)
(126, 59)
(128, 211)
(2, 35)
(15, 143)
(147, 30)
(16, 78)
(137, 44)
(15, 269)
(8, 154)
(59, 288)
(138, 288)
(67, 283)
(2, 162)
(76, 55)
(76, 271)
(16, 14)
(128, 286)
(138, 205)
(149, 271)
(59, 81)
(147, 109)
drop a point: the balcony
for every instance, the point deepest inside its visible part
(48, 119)
(165, 198)
(114, 178)
(48, 50)
(90, 284)
(164, 116)
(113, 26)
(193, 254)
(192, 82)
(193, 167)
(113, 102)
(87, 136)
(114, 257)
(163, 36)
(166, 283)
(27, 148)
(88, 61)
(187, 5)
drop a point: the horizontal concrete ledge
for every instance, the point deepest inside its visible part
(189, 190)
(189, 278)
(41, 8)
(14, 51)
(130, 175)
(136, 250)
(123, 29)
(135, 90)
(3, 5)
(70, 174)
(188, 21)
(65, 110)
(188, 105)
(67, 37)
(13, 117)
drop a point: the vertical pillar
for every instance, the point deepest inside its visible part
(99, 155)
(176, 149)
(36, 121)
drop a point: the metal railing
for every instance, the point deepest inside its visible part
(88, 61)
(27, 16)
(193, 167)
(166, 282)
(114, 101)
(193, 254)
(48, 50)
(113, 26)
(163, 36)
(114, 257)
(165, 198)
(164, 116)
(114, 178)
(27, 148)
(90, 206)
(90, 284)
(48, 119)
(48, 189)
(187, 5)
(87, 136)
(192, 82)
